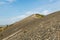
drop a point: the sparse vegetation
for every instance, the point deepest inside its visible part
(39, 16)
(2, 28)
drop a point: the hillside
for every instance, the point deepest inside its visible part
(34, 28)
(24, 21)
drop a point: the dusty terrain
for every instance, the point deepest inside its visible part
(34, 28)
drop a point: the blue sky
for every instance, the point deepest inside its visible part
(15, 10)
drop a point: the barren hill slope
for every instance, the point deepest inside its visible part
(46, 28)
(20, 24)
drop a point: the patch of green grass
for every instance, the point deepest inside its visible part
(39, 16)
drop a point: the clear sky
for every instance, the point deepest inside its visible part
(15, 10)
